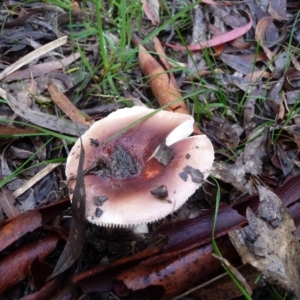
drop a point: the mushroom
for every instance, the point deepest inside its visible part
(126, 183)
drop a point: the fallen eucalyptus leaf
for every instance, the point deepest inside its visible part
(269, 244)
(76, 237)
(42, 119)
(151, 10)
(33, 55)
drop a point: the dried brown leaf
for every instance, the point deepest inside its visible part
(16, 266)
(224, 288)
(11, 131)
(42, 69)
(175, 275)
(295, 61)
(33, 55)
(66, 105)
(249, 109)
(239, 43)
(151, 10)
(234, 174)
(42, 119)
(235, 272)
(24, 95)
(161, 81)
(238, 63)
(260, 31)
(90, 280)
(256, 75)
(282, 106)
(197, 231)
(15, 228)
(286, 163)
(196, 62)
(291, 79)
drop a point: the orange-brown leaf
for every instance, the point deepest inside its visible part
(66, 105)
(161, 80)
(9, 131)
(163, 87)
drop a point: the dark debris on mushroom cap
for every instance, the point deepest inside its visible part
(122, 174)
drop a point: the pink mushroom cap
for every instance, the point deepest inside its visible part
(122, 176)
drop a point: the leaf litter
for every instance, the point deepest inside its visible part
(242, 88)
(269, 243)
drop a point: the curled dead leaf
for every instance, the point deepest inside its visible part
(151, 10)
(260, 31)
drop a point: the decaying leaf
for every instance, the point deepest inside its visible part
(42, 119)
(31, 56)
(14, 228)
(181, 255)
(224, 288)
(23, 96)
(7, 201)
(238, 63)
(223, 132)
(291, 79)
(76, 237)
(42, 68)
(277, 9)
(95, 280)
(66, 105)
(221, 39)
(197, 231)
(33, 180)
(196, 61)
(234, 174)
(269, 244)
(19, 226)
(6, 131)
(235, 272)
(161, 80)
(260, 31)
(151, 10)
(16, 266)
(255, 151)
(46, 292)
(171, 277)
